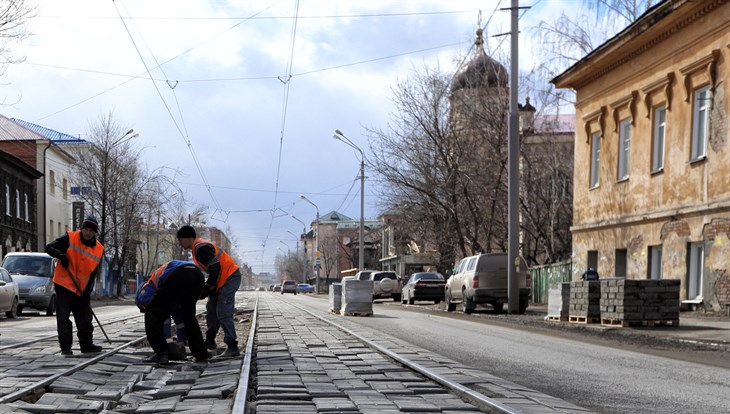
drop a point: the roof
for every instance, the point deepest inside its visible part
(55, 136)
(555, 124)
(12, 131)
(481, 72)
(333, 216)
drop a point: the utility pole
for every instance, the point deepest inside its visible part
(513, 150)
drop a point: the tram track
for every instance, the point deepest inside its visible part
(33, 373)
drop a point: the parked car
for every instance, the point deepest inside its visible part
(482, 279)
(363, 274)
(424, 286)
(386, 284)
(9, 295)
(289, 286)
(276, 288)
(305, 288)
(33, 273)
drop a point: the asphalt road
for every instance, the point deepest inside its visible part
(607, 379)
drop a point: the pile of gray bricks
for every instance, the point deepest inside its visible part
(639, 300)
(585, 298)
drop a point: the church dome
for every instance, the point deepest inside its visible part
(481, 72)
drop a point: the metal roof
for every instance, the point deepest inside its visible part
(56, 137)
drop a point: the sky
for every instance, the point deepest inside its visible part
(242, 97)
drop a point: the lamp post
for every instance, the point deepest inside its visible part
(296, 240)
(361, 252)
(316, 240)
(288, 250)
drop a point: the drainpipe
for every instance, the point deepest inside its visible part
(42, 237)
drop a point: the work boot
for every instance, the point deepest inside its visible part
(210, 344)
(158, 358)
(90, 349)
(67, 352)
(232, 350)
(176, 351)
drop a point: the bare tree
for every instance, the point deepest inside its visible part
(14, 16)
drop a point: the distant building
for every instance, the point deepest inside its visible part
(17, 205)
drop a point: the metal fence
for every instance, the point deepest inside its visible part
(544, 276)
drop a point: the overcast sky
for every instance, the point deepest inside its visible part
(256, 87)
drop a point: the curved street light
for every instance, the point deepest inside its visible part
(361, 245)
(316, 240)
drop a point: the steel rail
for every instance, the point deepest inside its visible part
(239, 404)
(464, 392)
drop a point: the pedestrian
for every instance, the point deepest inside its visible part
(173, 288)
(79, 257)
(590, 274)
(223, 281)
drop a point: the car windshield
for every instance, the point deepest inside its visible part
(428, 276)
(28, 266)
(364, 275)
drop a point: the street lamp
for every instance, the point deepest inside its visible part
(361, 252)
(316, 240)
(287, 247)
(296, 240)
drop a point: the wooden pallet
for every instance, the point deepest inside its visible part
(357, 314)
(582, 319)
(647, 322)
(556, 318)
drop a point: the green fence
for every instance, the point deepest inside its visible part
(544, 276)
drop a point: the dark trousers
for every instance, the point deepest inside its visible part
(66, 303)
(182, 289)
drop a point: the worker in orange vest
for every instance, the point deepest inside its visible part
(79, 257)
(223, 281)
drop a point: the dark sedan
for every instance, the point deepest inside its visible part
(424, 286)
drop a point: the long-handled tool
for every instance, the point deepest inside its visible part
(76, 283)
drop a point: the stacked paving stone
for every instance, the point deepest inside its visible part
(335, 297)
(585, 298)
(559, 301)
(639, 300)
(357, 297)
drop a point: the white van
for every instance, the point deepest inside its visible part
(482, 279)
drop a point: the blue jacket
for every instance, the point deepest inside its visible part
(157, 279)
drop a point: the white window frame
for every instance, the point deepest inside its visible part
(7, 200)
(695, 270)
(658, 136)
(595, 160)
(700, 123)
(17, 203)
(26, 207)
(624, 148)
(654, 270)
(52, 181)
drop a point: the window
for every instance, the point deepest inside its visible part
(50, 227)
(654, 268)
(52, 181)
(26, 207)
(695, 270)
(657, 141)
(595, 158)
(700, 123)
(59, 228)
(472, 264)
(65, 189)
(7, 199)
(624, 144)
(620, 263)
(593, 259)
(17, 203)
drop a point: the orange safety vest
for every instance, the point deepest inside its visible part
(82, 260)
(228, 266)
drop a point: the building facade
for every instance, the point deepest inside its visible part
(652, 151)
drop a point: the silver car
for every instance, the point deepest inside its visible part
(33, 272)
(8, 294)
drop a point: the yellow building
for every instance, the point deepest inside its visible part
(651, 193)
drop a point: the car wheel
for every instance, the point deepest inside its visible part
(13, 312)
(20, 310)
(404, 299)
(467, 304)
(295, 293)
(437, 301)
(450, 306)
(51, 309)
(498, 307)
(411, 301)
